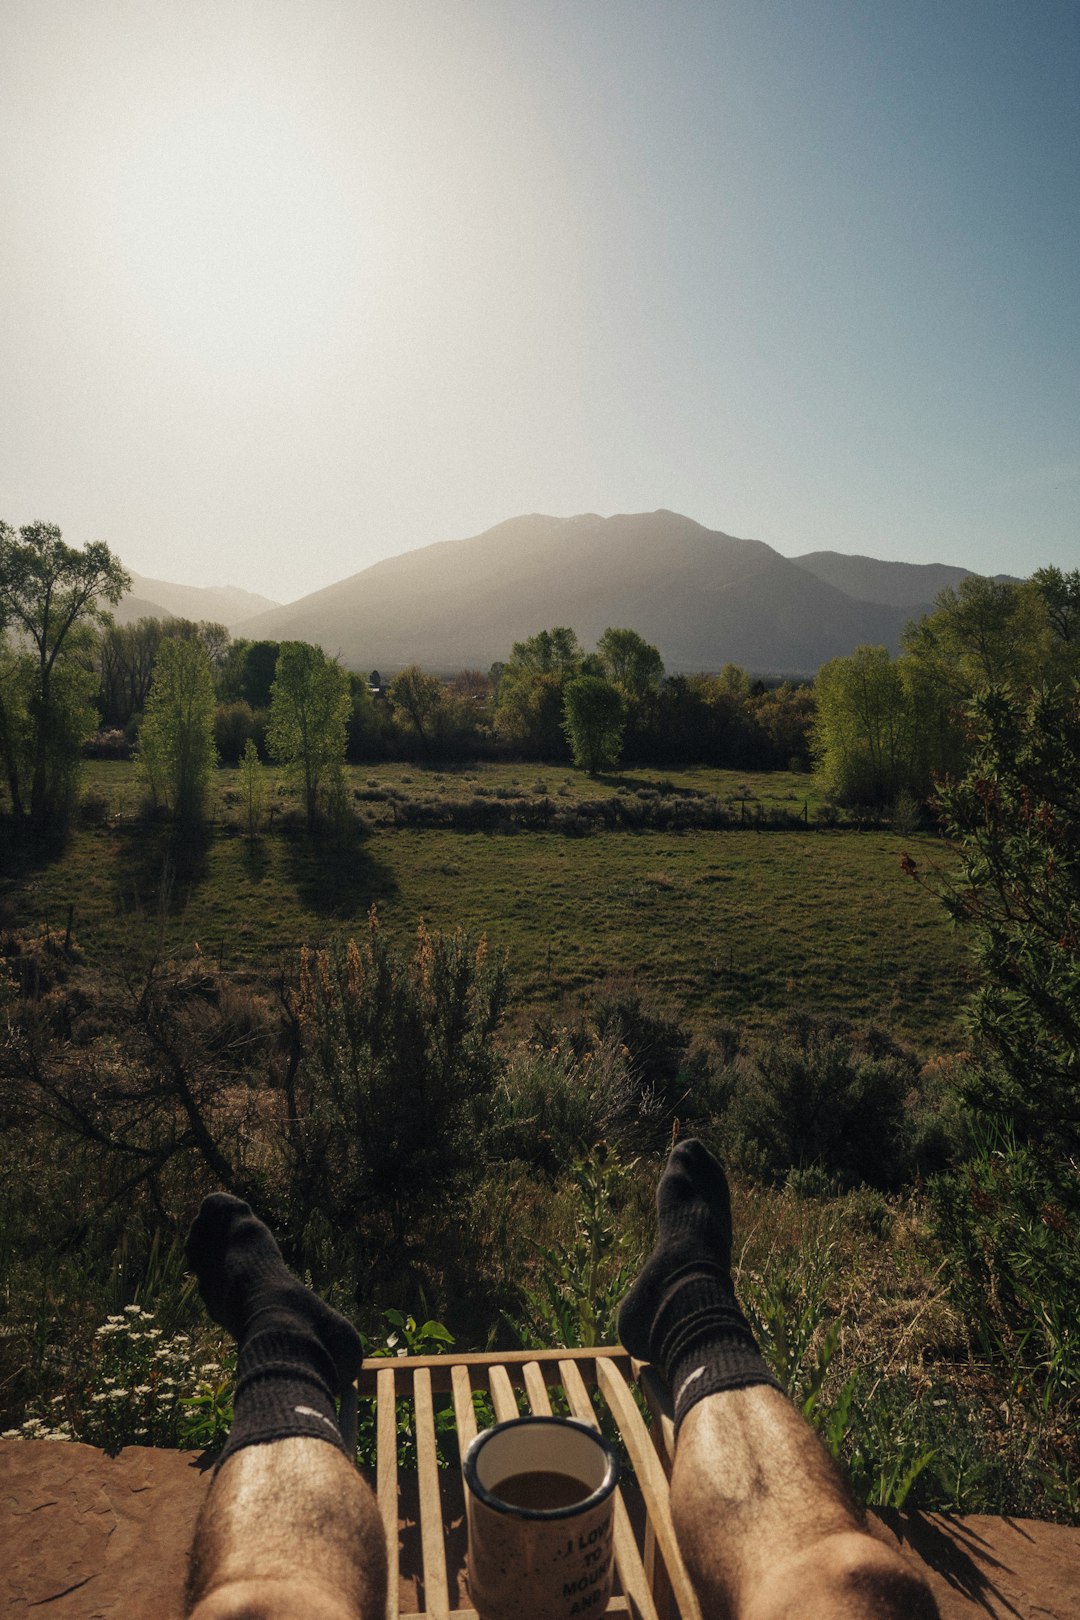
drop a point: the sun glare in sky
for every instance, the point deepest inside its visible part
(286, 289)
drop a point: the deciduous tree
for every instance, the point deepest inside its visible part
(594, 721)
(51, 596)
(309, 708)
(420, 701)
(252, 788)
(176, 751)
(632, 663)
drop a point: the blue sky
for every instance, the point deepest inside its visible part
(289, 287)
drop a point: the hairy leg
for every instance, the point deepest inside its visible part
(766, 1528)
(288, 1529)
(764, 1523)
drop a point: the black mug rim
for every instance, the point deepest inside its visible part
(596, 1497)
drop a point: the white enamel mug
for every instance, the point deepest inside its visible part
(533, 1563)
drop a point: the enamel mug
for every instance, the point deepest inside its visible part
(540, 1562)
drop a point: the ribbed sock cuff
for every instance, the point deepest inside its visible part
(284, 1387)
(703, 1342)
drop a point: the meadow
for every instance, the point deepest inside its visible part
(657, 975)
(744, 923)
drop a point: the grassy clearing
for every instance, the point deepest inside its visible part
(733, 924)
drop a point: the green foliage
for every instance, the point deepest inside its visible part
(51, 595)
(176, 752)
(418, 699)
(252, 789)
(139, 1386)
(408, 1337)
(575, 1296)
(819, 1094)
(635, 667)
(548, 652)
(396, 1066)
(595, 714)
(234, 725)
(985, 632)
(309, 708)
(1010, 1215)
(880, 729)
(247, 673)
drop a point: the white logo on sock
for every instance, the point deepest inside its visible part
(309, 1411)
(685, 1385)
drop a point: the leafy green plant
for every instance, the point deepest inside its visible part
(407, 1337)
(575, 1298)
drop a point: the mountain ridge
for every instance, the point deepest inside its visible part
(705, 598)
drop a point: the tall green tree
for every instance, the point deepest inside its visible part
(420, 702)
(176, 752)
(548, 652)
(252, 788)
(865, 729)
(985, 632)
(309, 709)
(529, 701)
(1011, 1211)
(631, 662)
(594, 721)
(52, 597)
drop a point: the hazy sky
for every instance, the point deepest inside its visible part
(290, 285)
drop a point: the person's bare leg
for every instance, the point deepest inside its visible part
(761, 1514)
(765, 1525)
(288, 1529)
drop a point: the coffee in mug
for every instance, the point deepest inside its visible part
(540, 1505)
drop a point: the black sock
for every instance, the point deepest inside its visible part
(296, 1355)
(682, 1314)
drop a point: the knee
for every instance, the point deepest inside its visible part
(854, 1577)
(872, 1579)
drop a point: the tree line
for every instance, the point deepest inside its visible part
(186, 696)
(888, 726)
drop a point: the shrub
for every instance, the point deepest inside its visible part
(820, 1094)
(395, 1069)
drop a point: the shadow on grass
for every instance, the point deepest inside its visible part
(335, 874)
(256, 861)
(636, 777)
(161, 865)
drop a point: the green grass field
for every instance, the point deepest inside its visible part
(733, 924)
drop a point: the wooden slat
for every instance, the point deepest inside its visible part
(658, 1400)
(536, 1389)
(627, 1558)
(502, 1394)
(464, 1416)
(653, 1482)
(662, 1432)
(440, 1366)
(386, 1481)
(436, 1590)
